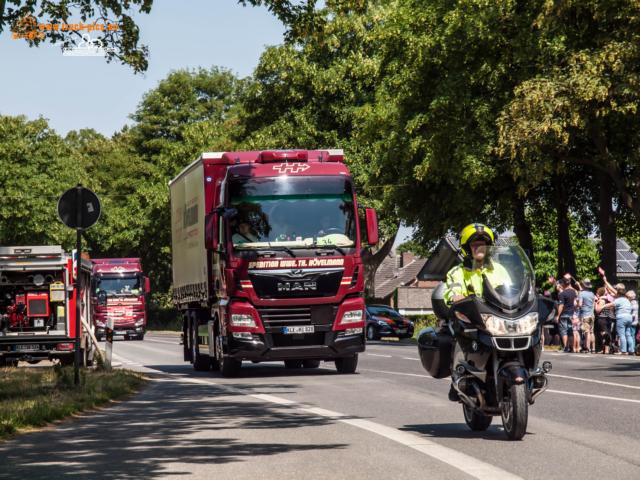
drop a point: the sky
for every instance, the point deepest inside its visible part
(86, 92)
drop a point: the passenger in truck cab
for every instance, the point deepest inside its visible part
(467, 279)
(243, 234)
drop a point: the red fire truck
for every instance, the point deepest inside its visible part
(267, 259)
(38, 305)
(124, 288)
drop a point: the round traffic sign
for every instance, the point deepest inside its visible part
(83, 199)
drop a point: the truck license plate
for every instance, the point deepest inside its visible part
(38, 322)
(296, 330)
(28, 348)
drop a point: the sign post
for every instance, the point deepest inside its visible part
(109, 344)
(78, 208)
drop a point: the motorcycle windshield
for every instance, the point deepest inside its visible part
(508, 278)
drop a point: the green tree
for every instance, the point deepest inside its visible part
(36, 167)
(188, 113)
(121, 44)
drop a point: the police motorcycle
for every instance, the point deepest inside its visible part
(489, 343)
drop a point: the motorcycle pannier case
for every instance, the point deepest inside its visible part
(436, 348)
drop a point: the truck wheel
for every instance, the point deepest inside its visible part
(311, 363)
(200, 362)
(347, 364)
(230, 367)
(293, 364)
(140, 337)
(217, 350)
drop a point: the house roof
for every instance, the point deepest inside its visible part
(627, 263)
(414, 298)
(388, 277)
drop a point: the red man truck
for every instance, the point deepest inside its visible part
(38, 305)
(120, 292)
(267, 259)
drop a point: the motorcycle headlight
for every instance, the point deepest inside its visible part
(519, 326)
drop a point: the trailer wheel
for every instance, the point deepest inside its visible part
(200, 362)
(347, 364)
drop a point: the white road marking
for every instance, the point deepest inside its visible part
(378, 355)
(601, 382)
(601, 397)
(587, 395)
(411, 358)
(272, 399)
(465, 463)
(153, 340)
(625, 358)
(398, 373)
(470, 465)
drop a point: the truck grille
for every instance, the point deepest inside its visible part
(296, 284)
(291, 316)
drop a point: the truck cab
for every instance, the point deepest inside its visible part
(267, 259)
(120, 291)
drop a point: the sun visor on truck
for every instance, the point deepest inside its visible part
(444, 257)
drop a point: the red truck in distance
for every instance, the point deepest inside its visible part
(267, 266)
(120, 292)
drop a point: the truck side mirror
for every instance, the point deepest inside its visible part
(147, 285)
(102, 298)
(372, 226)
(211, 231)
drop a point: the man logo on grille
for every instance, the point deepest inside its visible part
(291, 167)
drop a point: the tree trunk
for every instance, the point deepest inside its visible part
(607, 225)
(372, 261)
(522, 228)
(566, 258)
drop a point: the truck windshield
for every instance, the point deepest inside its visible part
(293, 212)
(119, 285)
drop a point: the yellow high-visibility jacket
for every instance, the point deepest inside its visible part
(466, 281)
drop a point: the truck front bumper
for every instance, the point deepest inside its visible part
(264, 347)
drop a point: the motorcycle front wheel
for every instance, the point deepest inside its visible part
(515, 412)
(476, 421)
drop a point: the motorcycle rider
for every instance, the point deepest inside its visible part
(467, 278)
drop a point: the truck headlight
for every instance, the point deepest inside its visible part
(503, 326)
(242, 320)
(351, 316)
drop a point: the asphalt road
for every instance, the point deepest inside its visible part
(391, 420)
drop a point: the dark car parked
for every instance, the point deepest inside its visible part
(384, 321)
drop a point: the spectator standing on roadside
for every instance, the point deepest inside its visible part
(605, 319)
(586, 300)
(631, 295)
(566, 309)
(624, 319)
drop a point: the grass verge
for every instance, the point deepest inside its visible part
(34, 397)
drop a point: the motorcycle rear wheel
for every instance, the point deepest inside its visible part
(476, 421)
(515, 412)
